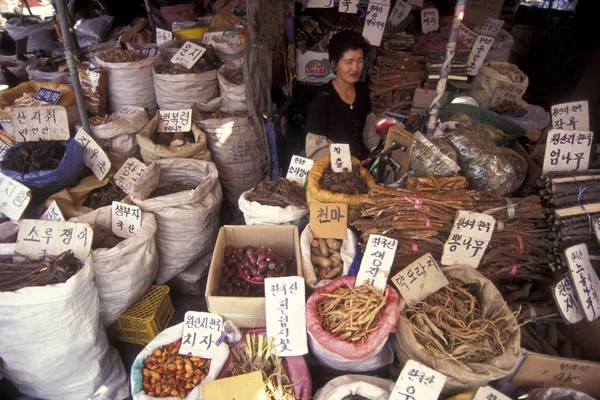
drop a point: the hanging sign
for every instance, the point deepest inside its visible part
(149, 51)
(571, 116)
(188, 55)
(348, 6)
(479, 51)
(341, 160)
(329, 220)
(299, 169)
(48, 95)
(126, 219)
(174, 121)
(419, 279)
(377, 261)
(201, 334)
(163, 36)
(418, 382)
(585, 280)
(506, 91)
(567, 150)
(377, 13)
(430, 20)
(248, 387)
(14, 197)
(566, 300)
(94, 156)
(285, 316)
(40, 123)
(492, 27)
(489, 393)
(468, 239)
(467, 36)
(129, 173)
(38, 239)
(53, 213)
(399, 13)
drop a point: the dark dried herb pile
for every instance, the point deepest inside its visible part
(171, 188)
(278, 193)
(344, 182)
(35, 156)
(105, 239)
(123, 56)
(175, 69)
(104, 196)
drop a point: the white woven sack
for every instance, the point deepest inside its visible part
(228, 48)
(188, 222)
(369, 387)
(125, 272)
(258, 214)
(52, 344)
(233, 96)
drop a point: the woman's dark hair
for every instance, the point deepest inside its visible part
(343, 41)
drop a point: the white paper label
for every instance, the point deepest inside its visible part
(468, 239)
(188, 55)
(14, 197)
(399, 12)
(299, 169)
(40, 123)
(348, 6)
(567, 150)
(585, 280)
(377, 13)
(53, 213)
(571, 116)
(126, 219)
(319, 4)
(94, 156)
(129, 173)
(285, 315)
(479, 52)
(201, 334)
(163, 36)
(489, 393)
(4, 147)
(467, 36)
(492, 27)
(566, 300)
(340, 157)
(430, 20)
(506, 91)
(597, 228)
(377, 261)
(209, 37)
(128, 112)
(38, 239)
(174, 121)
(419, 279)
(418, 382)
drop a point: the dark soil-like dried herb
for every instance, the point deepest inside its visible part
(104, 196)
(54, 269)
(105, 239)
(35, 156)
(278, 193)
(123, 56)
(510, 107)
(175, 69)
(344, 182)
(171, 188)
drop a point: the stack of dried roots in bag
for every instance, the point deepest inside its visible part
(278, 193)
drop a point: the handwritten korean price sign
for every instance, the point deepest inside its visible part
(418, 382)
(567, 150)
(340, 157)
(468, 239)
(209, 37)
(174, 121)
(348, 6)
(377, 13)
(467, 36)
(126, 219)
(188, 55)
(377, 261)
(329, 220)
(573, 116)
(430, 20)
(506, 91)
(14, 197)
(419, 279)
(40, 123)
(38, 239)
(53, 213)
(585, 280)
(129, 173)
(566, 300)
(286, 321)
(48, 95)
(479, 51)
(94, 156)
(299, 169)
(489, 393)
(492, 27)
(201, 334)
(163, 36)
(399, 12)
(149, 51)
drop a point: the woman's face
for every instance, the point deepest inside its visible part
(350, 66)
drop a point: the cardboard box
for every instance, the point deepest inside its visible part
(313, 67)
(248, 312)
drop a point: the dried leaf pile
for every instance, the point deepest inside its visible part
(124, 56)
(105, 239)
(104, 196)
(278, 193)
(170, 188)
(52, 270)
(35, 156)
(348, 182)
(452, 325)
(351, 313)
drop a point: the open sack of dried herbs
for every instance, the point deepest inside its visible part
(278, 202)
(356, 387)
(159, 371)
(285, 378)
(55, 299)
(348, 327)
(464, 330)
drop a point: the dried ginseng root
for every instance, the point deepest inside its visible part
(351, 313)
(169, 374)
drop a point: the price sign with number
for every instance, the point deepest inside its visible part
(418, 382)
(188, 55)
(377, 261)
(285, 316)
(571, 116)
(174, 121)
(329, 220)
(567, 150)
(340, 157)
(53, 213)
(492, 27)
(399, 13)
(299, 169)
(479, 51)
(419, 279)
(38, 239)
(94, 156)
(467, 36)
(430, 20)
(209, 37)
(163, 36)
(377, 13)
(468, 239)
(506, 91)
(348, 6)
(201, 334)
(40, 123)
(129, 174)
(489, 393)
(566, 300)
(14, 197)
(48, 95)
(126, 219)
(585, 280)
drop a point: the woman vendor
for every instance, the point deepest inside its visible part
(341, 111)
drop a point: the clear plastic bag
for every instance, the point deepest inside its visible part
(432, 157)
